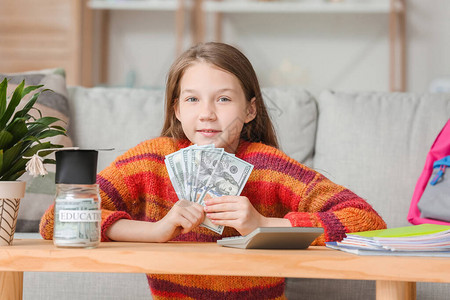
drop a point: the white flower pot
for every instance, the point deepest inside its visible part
(10, 194)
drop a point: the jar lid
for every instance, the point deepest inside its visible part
(76, 166)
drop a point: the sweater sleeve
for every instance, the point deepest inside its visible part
(46, 224)
(335, 208)
(114, 196)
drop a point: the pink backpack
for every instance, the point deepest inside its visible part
(439, 149)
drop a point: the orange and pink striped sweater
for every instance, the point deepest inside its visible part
(137, 186)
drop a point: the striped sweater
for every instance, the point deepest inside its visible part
(137, 186)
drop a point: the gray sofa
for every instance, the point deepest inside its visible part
(373, 143)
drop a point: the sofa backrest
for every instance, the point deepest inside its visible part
(121, 118)
(373, 143)
(376, 144)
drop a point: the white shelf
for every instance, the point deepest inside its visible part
(252, 6)
(156, 5)
(298, 6)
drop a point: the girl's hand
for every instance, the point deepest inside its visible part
(182, 218)
(234, 211)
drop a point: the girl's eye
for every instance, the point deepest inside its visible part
(191, 99)
(224, 99)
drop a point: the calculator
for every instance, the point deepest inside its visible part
(274, 238)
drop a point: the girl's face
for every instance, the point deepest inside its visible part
(212, 107)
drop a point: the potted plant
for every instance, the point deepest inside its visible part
(21, 137)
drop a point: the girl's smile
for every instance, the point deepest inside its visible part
(209, 132)
(212, 107)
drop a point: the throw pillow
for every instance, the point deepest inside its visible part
(40, 191)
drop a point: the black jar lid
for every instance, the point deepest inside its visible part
(76, 166)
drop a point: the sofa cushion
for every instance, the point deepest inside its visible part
(40, 191)
(294, 114)
(376, 144)
(118, 118)
(123, 117)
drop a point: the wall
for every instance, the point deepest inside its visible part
(317, 51)
(42, 34)
(429, 42)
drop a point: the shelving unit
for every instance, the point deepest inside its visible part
(301, 6)
(395, 8)
(252, 6)
(179, 7)
(198, 8)
(154, 5)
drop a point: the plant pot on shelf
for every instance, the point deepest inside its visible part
(10, 194)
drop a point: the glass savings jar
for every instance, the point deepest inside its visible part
(77, 200)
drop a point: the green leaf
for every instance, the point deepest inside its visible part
(59, 128)
(49, 133)
(42, 125)
(3, 88)
(11, 155)
(35, 148)
(24, 111)
(30, 88)
(21, 133)
(18, 128)
(49, 161)
(5, 139)
(15, 100)
(34, 129)
(47, 152)
(14, 176)
(20, 163)
(46, 120)
(1, 160)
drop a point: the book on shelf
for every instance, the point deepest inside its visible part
(414, 240)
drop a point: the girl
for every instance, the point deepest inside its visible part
(213, 96)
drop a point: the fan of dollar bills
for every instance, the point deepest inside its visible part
(201, 172)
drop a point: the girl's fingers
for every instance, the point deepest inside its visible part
(190, 216)
(196, 210)
(189, 207)
(220, 207)
(222, 199)
(186, 224)
(222, 216)
(229, 223)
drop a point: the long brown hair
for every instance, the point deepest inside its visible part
(230, 59)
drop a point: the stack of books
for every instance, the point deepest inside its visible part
(416, 240)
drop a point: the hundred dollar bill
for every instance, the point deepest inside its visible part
(195, 164)
(187, 170)
(228, 179)
(174, 167)
(201, 172)
(195, 161)
(209, 159)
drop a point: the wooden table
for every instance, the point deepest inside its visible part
(395, 277)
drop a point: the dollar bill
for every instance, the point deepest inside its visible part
(228, 179)
(174, 167)
(187, 170)
(198, 173)
(230, 176)
(209, 159)
(195, 164)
